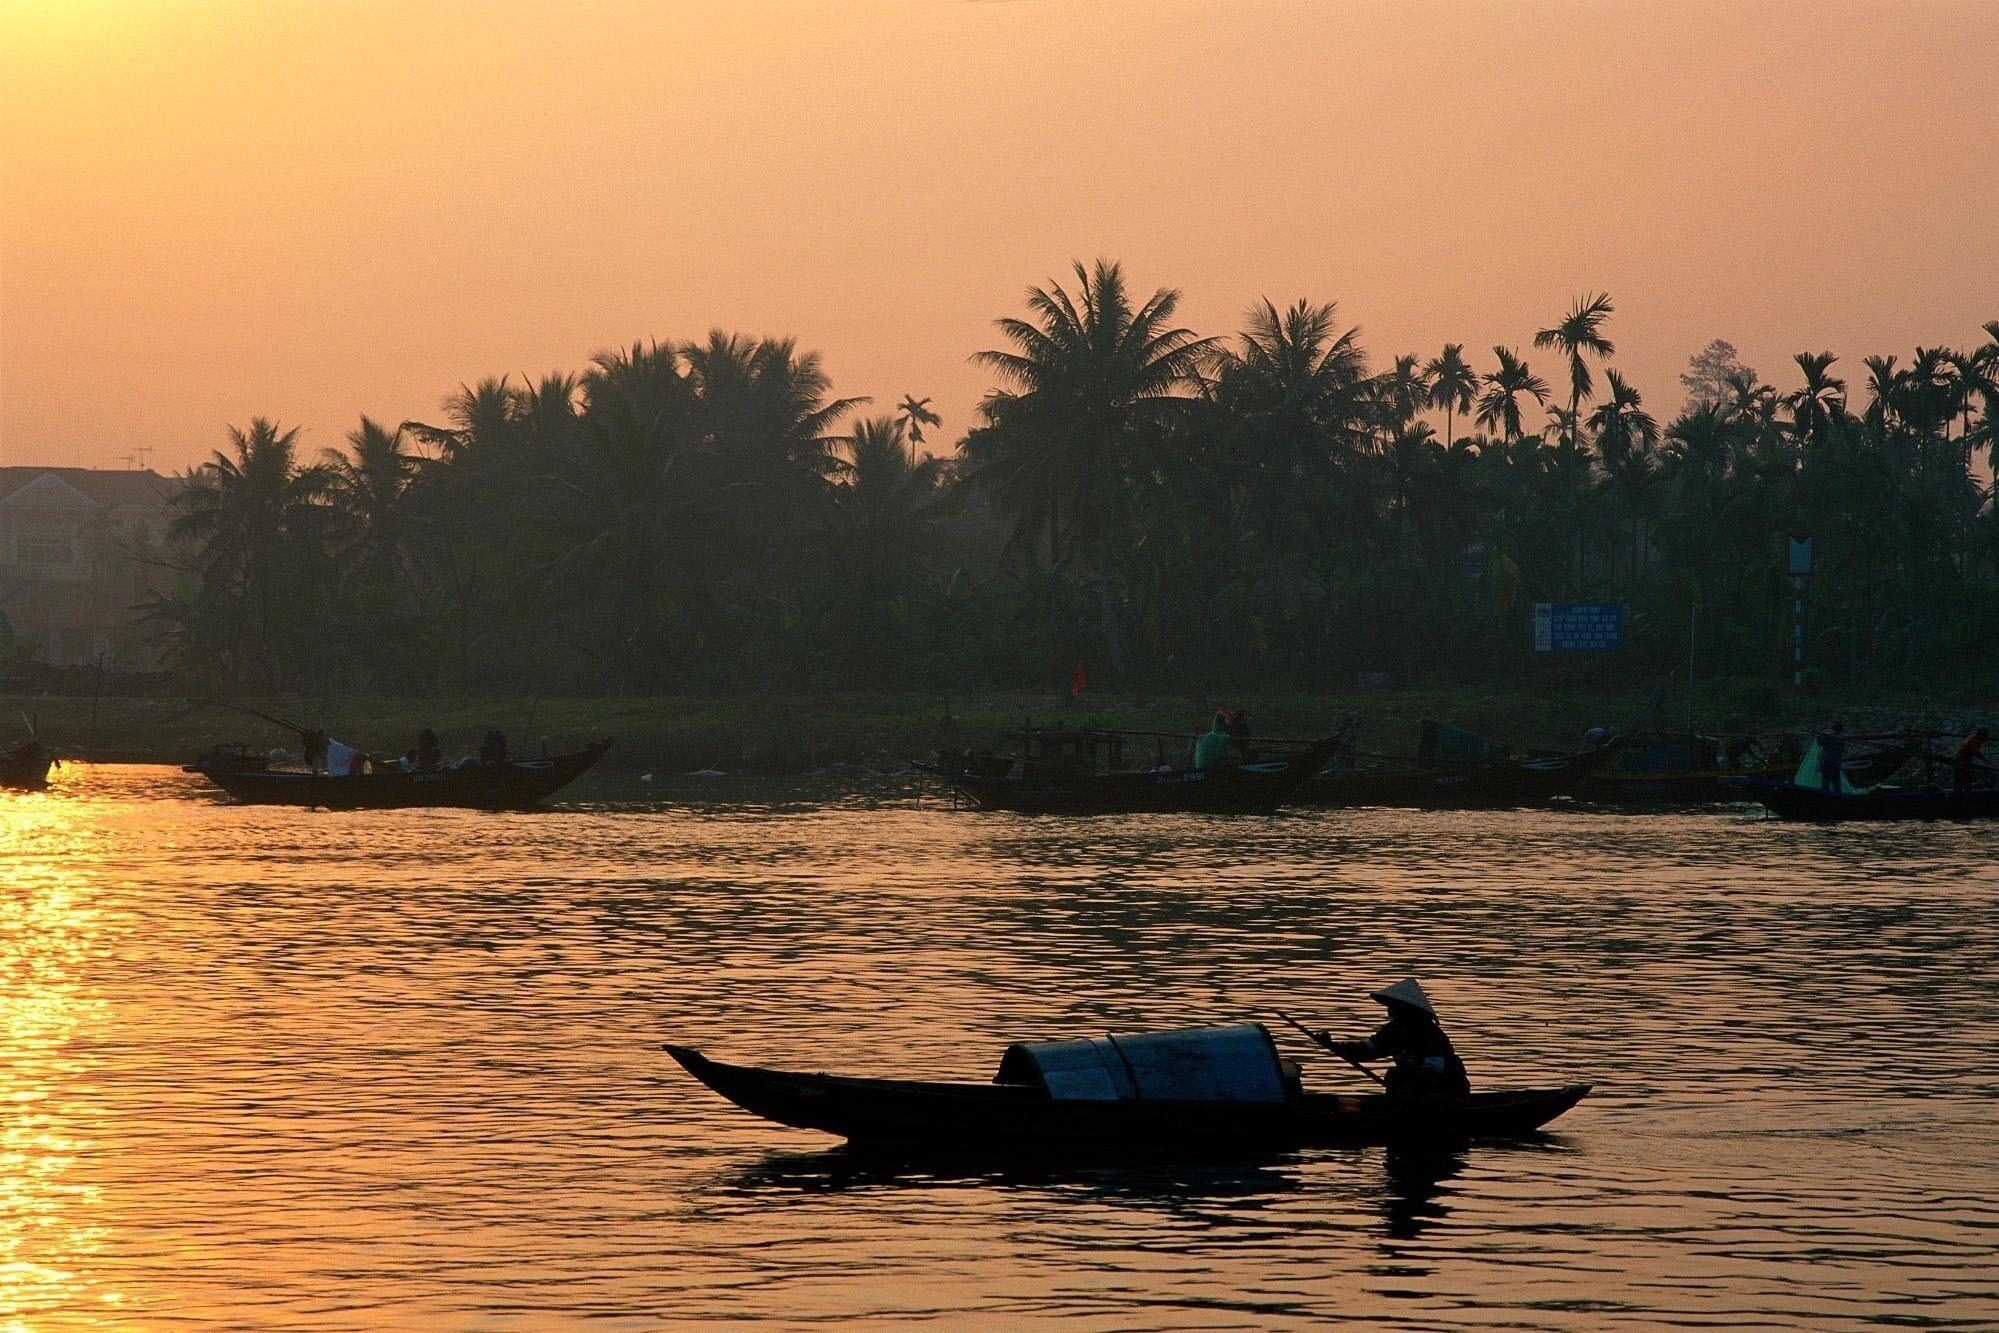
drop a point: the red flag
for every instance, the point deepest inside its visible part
(1079, 680)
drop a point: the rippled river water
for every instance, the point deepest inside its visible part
(273, 1068)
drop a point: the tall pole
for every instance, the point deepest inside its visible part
(1797, 631)
(1693, 618)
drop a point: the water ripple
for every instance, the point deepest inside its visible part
(270, 1068)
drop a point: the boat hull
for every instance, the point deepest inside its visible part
(1812, 804)
(26, 766)
(899, 1117)
(514, 785)
(1514, 782)
(1618, 785)
(1257, 788)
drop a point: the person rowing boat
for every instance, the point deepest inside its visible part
(1426, 1067)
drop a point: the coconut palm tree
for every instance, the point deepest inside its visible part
(1092, 381)
(1578, 336)
(1452, 384)
(1499, 406)
(764, 404)
(255, 521)
(369, 486)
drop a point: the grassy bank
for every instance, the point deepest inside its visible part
(789, 733)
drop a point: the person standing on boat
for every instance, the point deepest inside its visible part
(429, 754)
(1239, 733)
(1425, 1065)
(1967, 758)
(1832, 758)
(1211, 750)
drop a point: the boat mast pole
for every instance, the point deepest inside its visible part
(1693, 620)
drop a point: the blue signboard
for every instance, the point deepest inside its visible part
(1578, 627)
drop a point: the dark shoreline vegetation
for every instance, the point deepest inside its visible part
(1259, 515)
(801, 733)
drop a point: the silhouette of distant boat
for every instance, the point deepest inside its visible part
(512, 784)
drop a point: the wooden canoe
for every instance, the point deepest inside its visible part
(903, 1118)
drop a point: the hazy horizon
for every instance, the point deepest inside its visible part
(217, 211)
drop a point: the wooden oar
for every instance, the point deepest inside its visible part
(1327, 1045)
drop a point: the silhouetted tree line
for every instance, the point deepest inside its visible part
(1268, 508)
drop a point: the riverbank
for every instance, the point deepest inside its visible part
(794, 733)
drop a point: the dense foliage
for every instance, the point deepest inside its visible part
(1174, 510)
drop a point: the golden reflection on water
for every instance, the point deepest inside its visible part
(48, 928)
(268, 1068)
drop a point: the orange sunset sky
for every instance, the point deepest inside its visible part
(211, 210)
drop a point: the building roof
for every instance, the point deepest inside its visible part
(140, 488)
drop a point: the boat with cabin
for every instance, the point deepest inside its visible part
(1196, 1091)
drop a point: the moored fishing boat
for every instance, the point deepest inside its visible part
(1684, 768)
(509, 784)
(1200, 1091)
(1791, 800)
(1084, 771)
(26, 766)
(1454, 770)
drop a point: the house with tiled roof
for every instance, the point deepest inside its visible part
(81, 549)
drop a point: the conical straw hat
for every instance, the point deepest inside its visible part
(1406, 992)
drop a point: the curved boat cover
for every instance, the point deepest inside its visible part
(1226, 1064)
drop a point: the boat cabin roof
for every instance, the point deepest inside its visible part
(1219, 1064)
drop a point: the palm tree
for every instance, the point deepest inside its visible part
(630, 533)
(1820, 402)
(888, 503)
(1625, 437)
(1986, 384)
(1622, 424)
(1452, 384)
(765, 405)
(914, 414)
(1091, 384)
(1884, 394)
(1500, 405)
(369, 487)
(1404, 392)
(1577, 336)
(254, 519)
(1291, 404)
